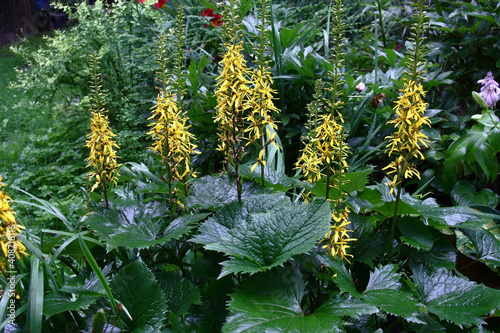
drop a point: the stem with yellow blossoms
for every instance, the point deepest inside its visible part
(100, 140)
(261, 103)
(232, 91)
(407, 139)
(325, 146)
(170, 128)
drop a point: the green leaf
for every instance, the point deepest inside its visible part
(433, 215)
(463, 217)
(234, 214)
(487, 245)
(47, 207)
(342, 277)
(479, 151)
(180, 293)
(91, 286)
(95, 268)
(211, 192)
(134, 225)
(210, 315)
(488, 119)
(396, 302)
(464, 194)
(384, 291)
(371, 244)
(36, 291)
(258, 241)
(137, 289)
(441, 255)
(208, 5)
(55, 303)
(454, 298)
(415, 233)
(279, 181)
(385, 277)
(454, 155)
(271, 302)
(352, 181)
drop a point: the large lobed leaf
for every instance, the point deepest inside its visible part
(134, 225)
(180, 292)
(264, 231)
(454, 298)
(382, 201)
(271, 302)
(487, 245)
(212, 192)
(384, 290)
(136, 288)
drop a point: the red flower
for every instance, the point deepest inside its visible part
(142, 1)
(160, 4)
(208, 12)
(216, 19)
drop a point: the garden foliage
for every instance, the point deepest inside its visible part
(303, 166)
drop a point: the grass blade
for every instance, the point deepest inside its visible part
(98, 272)
(35, 302)
(39, 255)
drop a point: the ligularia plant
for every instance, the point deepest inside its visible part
(325, 150)
(233, 87)
(260, 119)
(170, 124)
(100, 141)
(407, 139)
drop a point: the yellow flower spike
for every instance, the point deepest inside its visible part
(102, 156)
(9, 229)
(232, 102)
(407, 139)
(172, 139)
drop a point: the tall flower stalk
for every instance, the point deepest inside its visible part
(170, 124)
(325, 150)
(260, 119)
(232, 91)
(9, 229)
(407, 139)
(100, 141)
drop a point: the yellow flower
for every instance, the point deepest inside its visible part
(232, 102)
(337, 238)
(325, 149)
(102, 156)
(261, 105)
(9, 229)
(173, 141)
(407, 138)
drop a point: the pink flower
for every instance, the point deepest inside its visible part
(490, 90)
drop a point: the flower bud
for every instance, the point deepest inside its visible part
(361, 87)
